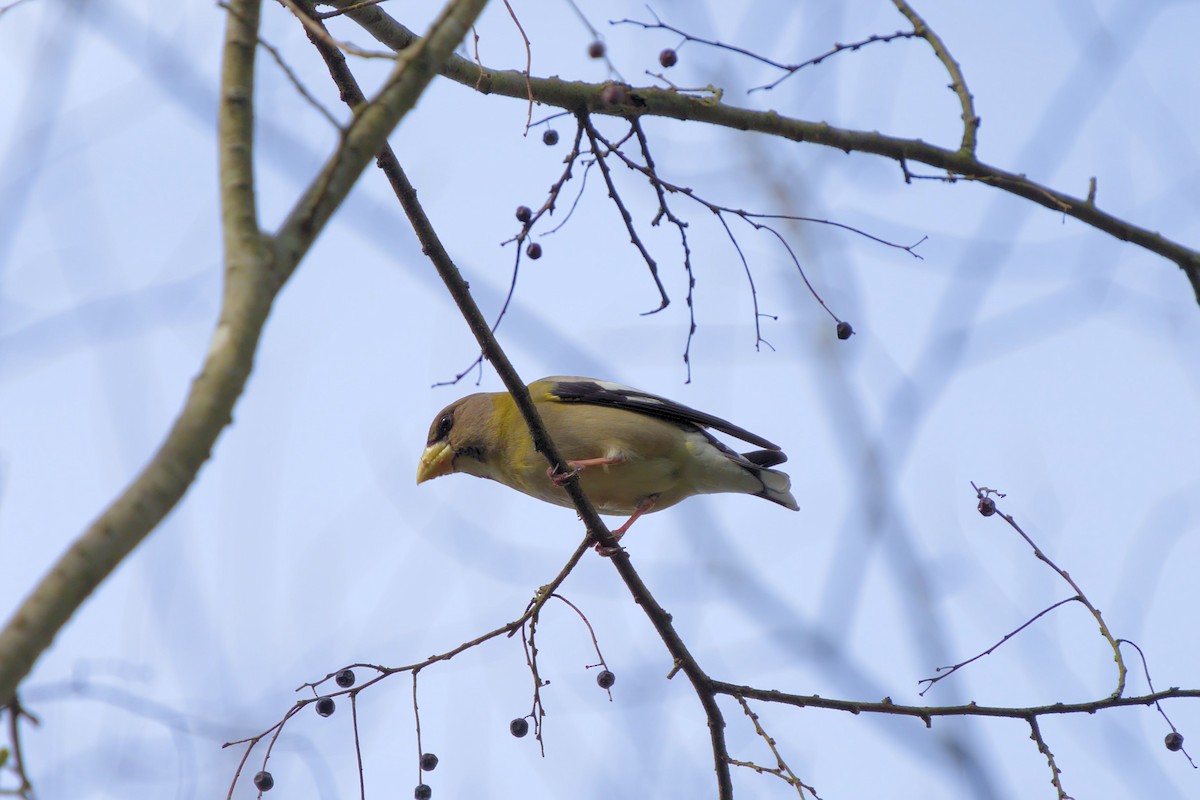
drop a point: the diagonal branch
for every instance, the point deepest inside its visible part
(415, 68)
(432, 246)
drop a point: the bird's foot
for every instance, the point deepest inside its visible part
(609, 552)
(645, 505)
(560, 478)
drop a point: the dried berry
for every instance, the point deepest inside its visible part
(325, 706)
(524, 214)
(345, 678)
(596, 49)
(422, 792)
(668, 58)
(428, 761)
(1174, 741)
(519, 727)
(844, 330)
(263, 781)
(534, 250)
(987, 506)
(605, 679)
(550, 137)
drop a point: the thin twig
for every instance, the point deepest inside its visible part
(1055, 773)
(587, 167)
(612, 68)
(749, 215)
(946, 672)
(788, 69)
(323, 15)
(17, 752)
(981, 493)
(667, 104)
(540, 599)
(812, 290)
(792, 69)
(1157, 705)
(538, 711)
(658, 24)
(595, 641)
(310, 23)
(417, 723)
(362, 778)
(526, 229)
(291, 76)
(599, 152)
(528, 63)
(664, 210)
(781, 770)
(758, 337)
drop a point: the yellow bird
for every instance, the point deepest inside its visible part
(634, 452)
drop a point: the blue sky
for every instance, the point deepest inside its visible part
(1023, 351)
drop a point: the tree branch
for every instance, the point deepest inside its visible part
(576, 96)
(256, 268)
(958, 83)
(249, 289)
(459, 290)
(414, 69)
(927, 713)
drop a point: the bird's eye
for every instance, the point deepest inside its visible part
(442, 429)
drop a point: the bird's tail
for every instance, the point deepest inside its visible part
(777, 487)
(765, 458)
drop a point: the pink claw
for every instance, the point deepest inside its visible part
(560, 478)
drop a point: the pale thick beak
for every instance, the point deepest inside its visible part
(436, 461)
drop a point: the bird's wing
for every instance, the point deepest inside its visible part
(614, 395)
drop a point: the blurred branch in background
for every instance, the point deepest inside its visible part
(256, 268)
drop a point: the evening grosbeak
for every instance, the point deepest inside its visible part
(634, 452)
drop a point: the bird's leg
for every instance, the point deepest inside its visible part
(642, 507)
(559, 478)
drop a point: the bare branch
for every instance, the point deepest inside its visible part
(957, 82)
(983, 493)
(256, 268)
(781, 770)
(959, 163)
(927, 713)
(601, 153)
(315, 30)
(1055, 773)
(292, 77)
(1158, 706)
(250, 286)
(946, 672)
(788, 69)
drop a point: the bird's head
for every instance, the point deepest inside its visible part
(458, 439)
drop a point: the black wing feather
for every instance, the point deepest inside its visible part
(602, 393)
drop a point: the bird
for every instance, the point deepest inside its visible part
(634, 452)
